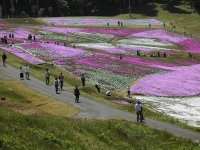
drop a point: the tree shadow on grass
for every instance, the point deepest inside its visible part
(145, 9)
(172, 9)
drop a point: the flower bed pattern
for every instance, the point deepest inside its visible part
(92, 21)
(23, 55)
(52, 51)
(112, 73)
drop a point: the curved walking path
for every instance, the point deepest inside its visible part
(93, 109)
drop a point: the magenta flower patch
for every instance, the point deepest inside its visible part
(52, 51)
(103, 21)
(183, 81)
(23, 55)
(122, 102)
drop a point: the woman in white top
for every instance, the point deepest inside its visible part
(21, 73)
(27, 70)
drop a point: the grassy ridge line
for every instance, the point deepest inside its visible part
(25, 132)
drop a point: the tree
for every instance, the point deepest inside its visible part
(41, 12)
(12, 10)
(50, 10)
(33, 10)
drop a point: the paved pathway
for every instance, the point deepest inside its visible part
(93, 109)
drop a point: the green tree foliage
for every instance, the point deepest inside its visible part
(78, 7)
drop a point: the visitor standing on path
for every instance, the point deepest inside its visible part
(27, 71)
(138, 107)
(56, 84)
(4, 57)
(21, 72)
(47, 76)
(76, 93)
(83, 80)
(61, 78)
(128, 92)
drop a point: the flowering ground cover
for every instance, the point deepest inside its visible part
(2, 26)
(188, 44)
(113, 73)
(52, 51)
(123, 102)
(20, 34)
(23, 55)
(108, 68)
(94, 21)
(182, 81)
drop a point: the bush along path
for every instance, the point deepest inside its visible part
(93, 109)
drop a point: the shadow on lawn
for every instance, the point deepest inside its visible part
(172, 9)
(145, 9)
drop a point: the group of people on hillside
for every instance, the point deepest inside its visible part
(4, 40)
(31, 38)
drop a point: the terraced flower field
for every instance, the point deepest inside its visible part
(95, 52)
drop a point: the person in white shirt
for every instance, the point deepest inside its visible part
(138, 107)
(27, 70)
(128, 92)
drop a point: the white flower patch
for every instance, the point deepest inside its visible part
(95, 45)
(98, 36)
(186, 110)
(142, 46)
(143, 41)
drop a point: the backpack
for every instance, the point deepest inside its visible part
(56, 82)
(96, 86)
(76, 92)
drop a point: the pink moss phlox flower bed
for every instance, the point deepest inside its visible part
(189, 44)
(23, 55)
(183, 81)
(20, 34)
(94, 21)
(53, 51)
(160, 34)
(2, 26)
(106, 61)
(122, 102)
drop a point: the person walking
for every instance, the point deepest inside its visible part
(47, 76)
(56, 84)
(128, 92)
(27, 70)
(21, 72)
(61, 78)
(98, 86)
(4, 57)
(138, 107)
(76, 93)
(83, 80)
